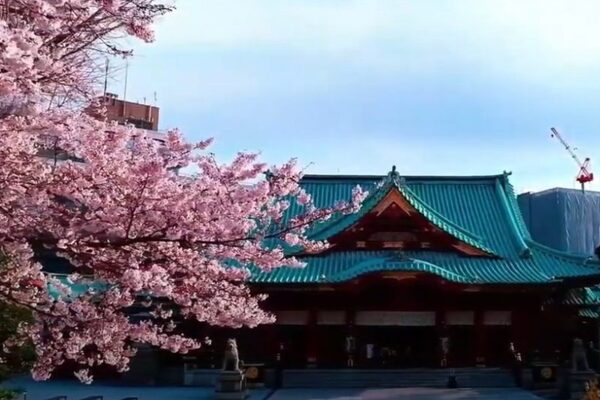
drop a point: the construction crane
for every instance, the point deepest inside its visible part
(585, 175)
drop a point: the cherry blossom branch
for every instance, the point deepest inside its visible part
(113, 206)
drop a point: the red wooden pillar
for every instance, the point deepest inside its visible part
(520, 331)
(479, 342)
(312, 345)
(350, 318)
(271, 341)
(351, 356)
(442, 335)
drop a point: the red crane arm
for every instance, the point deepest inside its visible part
(584, 175)
(568, 148)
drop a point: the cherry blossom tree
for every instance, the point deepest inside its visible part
(115, 206)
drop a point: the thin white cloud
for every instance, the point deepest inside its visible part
(520, 31)
(536, 42)
(459, 61)
(308, 24)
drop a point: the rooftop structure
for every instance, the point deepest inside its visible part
(564, 219)
(432, 271)
(142, 116)
(467, 230)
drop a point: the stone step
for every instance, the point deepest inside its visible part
(436, 378)
(546, 393)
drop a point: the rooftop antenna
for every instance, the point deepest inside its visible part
(585, 175)
(155, 98)
(105, 77)
(126, 73)
(125, 90)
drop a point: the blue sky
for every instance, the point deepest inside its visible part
(434, 87)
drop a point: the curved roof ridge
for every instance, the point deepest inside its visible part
(582, 258)
(516, 211)
(412, 195)
(409, 264)
(393, 180)
(326, 229)
(524, 250)
(315, 177)
(327, 178)
(446, 271)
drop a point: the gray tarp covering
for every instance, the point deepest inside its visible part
(565, 219)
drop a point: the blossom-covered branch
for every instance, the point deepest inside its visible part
(114, 206)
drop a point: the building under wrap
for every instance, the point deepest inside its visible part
(565, 219)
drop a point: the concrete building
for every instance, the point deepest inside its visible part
(142, 116)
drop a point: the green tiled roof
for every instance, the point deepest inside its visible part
(480, 211)
(376, 194)
(582, 297)
(442, 222)
(335, 267)
(589, 313)
(77, 289)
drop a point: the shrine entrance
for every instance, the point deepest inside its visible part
(461, 346)
(396, 339)
(404, 322)
(397, 346)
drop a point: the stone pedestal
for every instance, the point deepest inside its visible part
(578, 382)
(527, 378)
(231, 386)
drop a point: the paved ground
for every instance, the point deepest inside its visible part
(76, 391)
(403, 394)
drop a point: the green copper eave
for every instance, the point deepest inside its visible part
(587, 297)
(591, 313)
(393, 181)
(77, 288)
(336, 267)
(478, 210)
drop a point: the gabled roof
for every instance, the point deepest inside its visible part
(391, 182)
(478, 210)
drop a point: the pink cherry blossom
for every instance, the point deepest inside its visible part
(109, 200)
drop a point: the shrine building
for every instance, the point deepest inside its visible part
(432, 271)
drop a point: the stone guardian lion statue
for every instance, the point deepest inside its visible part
(231, 360)
(579, 361)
